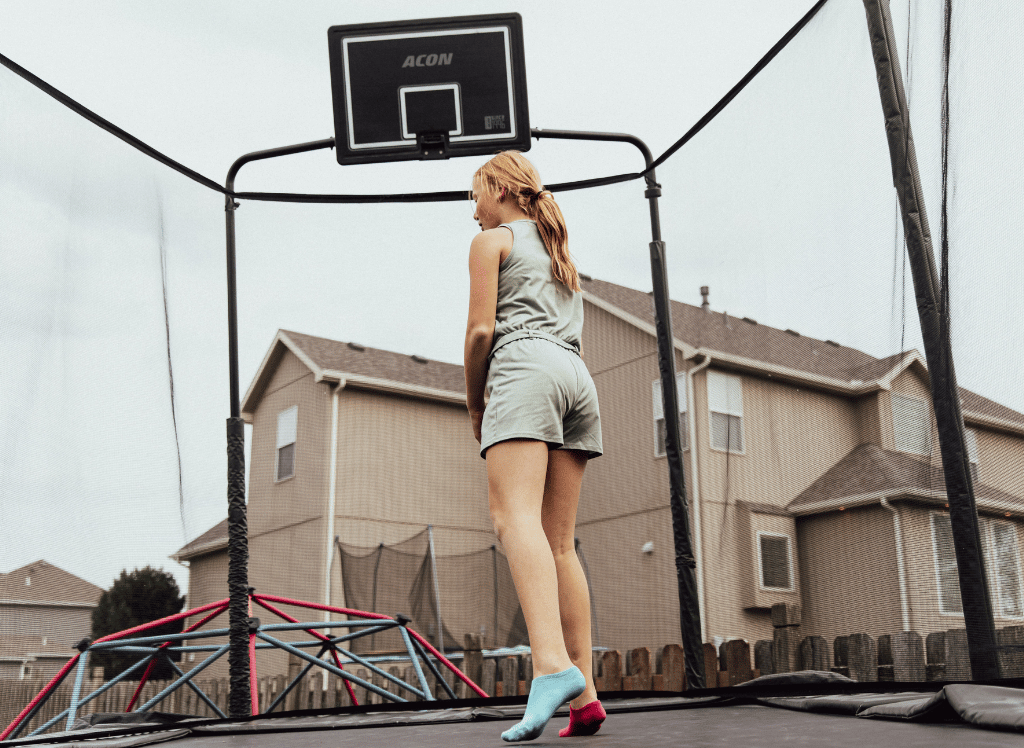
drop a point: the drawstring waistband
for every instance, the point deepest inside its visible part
(511, 337)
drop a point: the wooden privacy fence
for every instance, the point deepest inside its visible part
(904, 656)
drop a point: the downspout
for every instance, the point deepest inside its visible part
(900, 570)
(691, 427)
(331, 500)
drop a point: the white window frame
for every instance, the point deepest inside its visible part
(789, 559)
(973, 456)
(927, 425)
(285, 436)
(987, 528)
(732, 406)
(988, 537)
(659, 410)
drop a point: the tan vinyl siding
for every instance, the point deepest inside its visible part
(848, 572)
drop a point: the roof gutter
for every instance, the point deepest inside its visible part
(897, 494)
(357, 381)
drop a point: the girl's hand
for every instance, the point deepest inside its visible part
(477, 417)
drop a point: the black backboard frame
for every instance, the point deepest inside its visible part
(433, 145)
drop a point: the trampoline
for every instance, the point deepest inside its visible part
(761, 712)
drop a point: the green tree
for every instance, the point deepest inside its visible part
(135, 598)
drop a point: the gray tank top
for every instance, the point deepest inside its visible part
(529, 295)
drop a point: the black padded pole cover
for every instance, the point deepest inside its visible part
(689, 604)
(981, 638)
(239, 703)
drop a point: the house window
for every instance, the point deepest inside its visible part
(911, 425)
(1002, 564)
(287, 426)
(725, 403)
(972, 452)
(1004, 568)
(659, 414)
(776, 566)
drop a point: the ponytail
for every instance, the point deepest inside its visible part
(512, 174)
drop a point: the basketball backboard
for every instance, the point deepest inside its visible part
(431, 88)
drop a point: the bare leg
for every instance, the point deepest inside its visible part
(561, 498)
(516, 474)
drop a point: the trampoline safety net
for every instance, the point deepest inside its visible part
(814, 477)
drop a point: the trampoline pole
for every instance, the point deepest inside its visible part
(239, 699)
(689, 602)
(963, 511)
(437, 592)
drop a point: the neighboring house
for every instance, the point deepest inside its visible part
(44, 612)
(812, 475)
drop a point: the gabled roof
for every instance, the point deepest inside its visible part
(47, 584)
(214, 539)
(743, 344)
(868, 473)
(361, 367)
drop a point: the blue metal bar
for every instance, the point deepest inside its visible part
(332, 669)
(433, 669)
(113, 643)
(76, 692)
(295, 682)
(427, 695)
(327, 625)
(186, 678)
(114, 681)
(379, 671)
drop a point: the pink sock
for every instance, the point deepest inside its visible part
(584, 721)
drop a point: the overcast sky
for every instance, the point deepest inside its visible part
(783, 206)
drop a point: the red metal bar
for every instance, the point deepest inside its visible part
(149, 667)
(446, 661)
(378, 616)
(337, 661)
(142, 682)
(254, 690)
(41, 695)
(160, 622)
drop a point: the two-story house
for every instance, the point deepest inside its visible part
(44, 611)
(812, 475)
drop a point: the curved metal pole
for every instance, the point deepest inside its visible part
(689, 603)
(239, 704)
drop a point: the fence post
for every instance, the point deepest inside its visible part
(958, 660)
(908, 656)
(1011, 661)
(863, 654)
(935, 650)
(611, 670)
(711, 665)
(786, 640)
(673, 670)
(814, 654)
(488, 682)
(763, 656)
(510, 676)
(841, 655)
(638, 670)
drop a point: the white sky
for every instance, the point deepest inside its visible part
(784, 207)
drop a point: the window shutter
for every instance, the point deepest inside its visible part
(287, 426)
(945, 565)
(911, 423)
(1007, 569)
(725, 393)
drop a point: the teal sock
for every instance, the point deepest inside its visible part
(547, 693)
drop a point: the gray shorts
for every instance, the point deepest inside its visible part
(541, 390)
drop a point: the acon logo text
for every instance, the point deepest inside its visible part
(427, 61)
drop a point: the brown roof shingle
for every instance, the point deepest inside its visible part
(380, 364)
(48, 583)
(869, 469)
(736, 336)
(211, 540)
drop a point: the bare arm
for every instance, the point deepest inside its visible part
(484, 259)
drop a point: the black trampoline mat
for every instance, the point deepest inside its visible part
(741, 725)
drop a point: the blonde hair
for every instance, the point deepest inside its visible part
(511, 175)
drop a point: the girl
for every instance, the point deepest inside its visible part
(538, 428)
